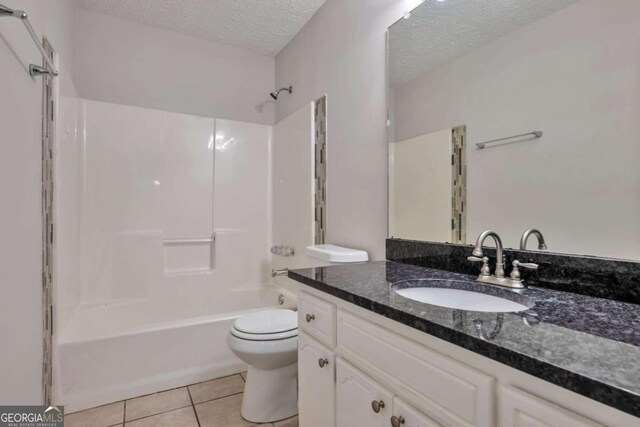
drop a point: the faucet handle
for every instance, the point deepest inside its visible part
(515, 273)
(527, 265)
(485, 270)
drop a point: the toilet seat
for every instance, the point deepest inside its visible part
(265, 337)
(266, 325)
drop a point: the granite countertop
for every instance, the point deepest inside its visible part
(585, 344)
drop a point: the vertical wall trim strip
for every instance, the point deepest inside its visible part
(47, 227)
(320, 162)
(459, 185)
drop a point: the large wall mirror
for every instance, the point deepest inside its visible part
(517, 114)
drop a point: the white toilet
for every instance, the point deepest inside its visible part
(267, 341)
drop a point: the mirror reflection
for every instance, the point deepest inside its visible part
(504, 117)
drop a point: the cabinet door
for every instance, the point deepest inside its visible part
(518, 408)
(316, 383)
(360, 401)
(405, 415)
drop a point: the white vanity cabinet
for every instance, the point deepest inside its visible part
(316, 383)
(455, 393)
(360, 369)
(360, 401)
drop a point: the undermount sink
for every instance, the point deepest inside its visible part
(462, 296)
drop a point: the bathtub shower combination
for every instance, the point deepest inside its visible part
(165, 227)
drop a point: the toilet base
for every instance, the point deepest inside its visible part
(270, 395)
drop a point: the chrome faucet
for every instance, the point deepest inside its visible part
(525, 236)
(477, 251)
(514, 281)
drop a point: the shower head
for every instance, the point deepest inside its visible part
(275, 94)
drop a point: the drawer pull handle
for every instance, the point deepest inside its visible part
(322, 362)
(377, 405)
(397, 421)
(309, 317)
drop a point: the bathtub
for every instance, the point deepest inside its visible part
(113, 352)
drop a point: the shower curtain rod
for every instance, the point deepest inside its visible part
(34, 70)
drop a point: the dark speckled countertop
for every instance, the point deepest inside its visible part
(587, 345)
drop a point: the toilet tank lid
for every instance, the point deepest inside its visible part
(267, 321)
(333, 253)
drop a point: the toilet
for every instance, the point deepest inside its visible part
(267, 341)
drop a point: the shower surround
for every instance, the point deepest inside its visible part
(164, 226)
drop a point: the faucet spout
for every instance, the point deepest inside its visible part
(477, 250)
(525, 236)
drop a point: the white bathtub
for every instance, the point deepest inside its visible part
(114, 352)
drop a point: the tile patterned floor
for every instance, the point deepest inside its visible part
(214, 403)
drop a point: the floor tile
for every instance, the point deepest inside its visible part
(185, 417)
(222, 412)
(216, 389)
(291, 422)
(157, 403)
(102, 416)
(244, 376)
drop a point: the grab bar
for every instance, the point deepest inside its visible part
(34, 70)
(183, 240)
(536, 133)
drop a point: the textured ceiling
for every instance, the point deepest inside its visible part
(437, 33)
(261, 26)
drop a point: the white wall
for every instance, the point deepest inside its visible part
(579, 83)
(133, 64)
(292, 183)
(420, 190)
(341, 52)
(20, 188)
(292, 178)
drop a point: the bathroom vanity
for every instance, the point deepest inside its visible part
(370, 357)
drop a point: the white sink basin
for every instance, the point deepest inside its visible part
(461, 299)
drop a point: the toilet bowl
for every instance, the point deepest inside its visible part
(267, 341)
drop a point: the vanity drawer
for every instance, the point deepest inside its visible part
(447, 390)
(317, 318)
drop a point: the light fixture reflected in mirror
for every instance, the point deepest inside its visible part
(412, 5)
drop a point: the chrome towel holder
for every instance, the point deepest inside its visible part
(283, 250)
(34, 70)
(535, 133)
